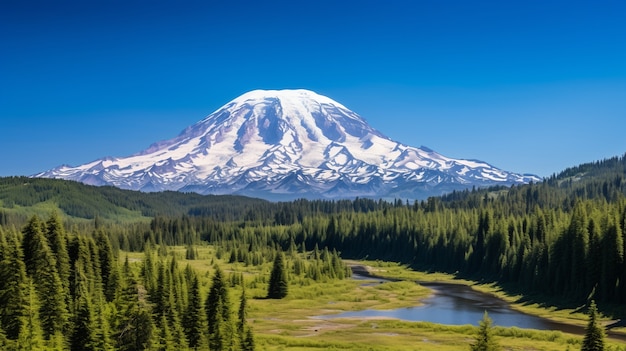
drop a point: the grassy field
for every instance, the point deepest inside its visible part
(297, 322)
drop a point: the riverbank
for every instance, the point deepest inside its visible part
(568, 321)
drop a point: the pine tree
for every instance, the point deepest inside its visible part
(191, 253)
(248, 343)
(485, 340)
(192, 319)
(217, 307)
(5, 344)
(241, 322)
(13, 286)
(246, 338)
(134, 329)
(82, 337)
(594, 334)
(103, 314)
(107, 264)
(30, 337)
(57, 240)
(278, 288)
(166, 339)
(41, 267)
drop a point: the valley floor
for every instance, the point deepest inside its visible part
(294, 323)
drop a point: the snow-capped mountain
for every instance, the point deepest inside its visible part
(285, 144)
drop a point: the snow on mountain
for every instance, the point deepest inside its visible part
(285, 144)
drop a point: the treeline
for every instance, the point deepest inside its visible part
(87, 202)
(575, 254)
(111, 204)
(63, 290)
(562, 237)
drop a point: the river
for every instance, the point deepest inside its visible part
(457, 304)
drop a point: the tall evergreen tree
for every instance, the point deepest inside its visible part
(485, 340)
(278, 286)
(246, 338)
(192, 319)
(219, 320)
(107, 264)
(248, 342)
(241, 322)
(5, 344)
(30, 338)
(82, 337)
(13, 286)
(41, 266)
(594, 334)
(57, 240)
(134, 329)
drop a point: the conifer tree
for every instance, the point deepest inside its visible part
(32, 235)
(57, 240)
(41, 266)
(241, 322)
(13, 286)
(217, 307)
(30, 337)
(5, 344)
(248, 343)
(166, 340)
(594, 334)
(246, 338)
(107, 264)
(134, 329)
(192, 319)
(82, 337)
(485, 340)
(102, 339)
(278, 288)
(191, 253)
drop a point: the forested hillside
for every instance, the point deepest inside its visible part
(563, 237)
(21, 197)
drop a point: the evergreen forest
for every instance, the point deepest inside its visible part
(98, 268)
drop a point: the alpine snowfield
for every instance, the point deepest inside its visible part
(287, 144)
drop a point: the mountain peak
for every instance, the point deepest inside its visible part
(288, 144)
(295, 95)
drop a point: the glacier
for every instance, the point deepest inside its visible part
(288, 144)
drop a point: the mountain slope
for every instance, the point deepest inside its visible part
(287, 144)
(23, 197)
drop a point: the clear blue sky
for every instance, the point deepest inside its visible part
(528, 86)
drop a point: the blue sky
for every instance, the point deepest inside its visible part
(528, 86)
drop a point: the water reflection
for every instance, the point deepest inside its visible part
(457, 305)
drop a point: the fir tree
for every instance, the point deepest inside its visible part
(594, 334)
(41, 266)
(485, 340)
(107, 264)
(82, 337)
(57, 240)
(248, 342)
(192, 319)
(246, 338)
(241, 322)
(5, 344)
(217, 307)
(277, 288)
(30, 338)
(134, 329)
(13, 286)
